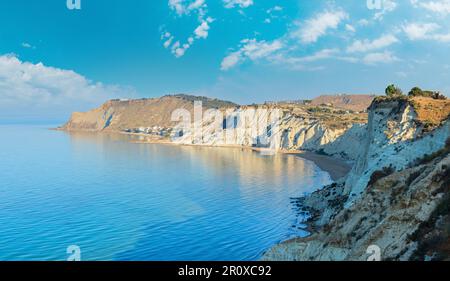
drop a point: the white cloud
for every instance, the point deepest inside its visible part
(168, 39)
(202, 30)
(388, 6)
(28, 45)
(301, 63)
(439, 6)
(241, 3)
(297, 61)
(419, 31)
(273, 13)
(350, 28)
(311, 30)
(425, 31)
(363, 22)
(379, 58)
(320, 55)
(230, 61)
(185, 7)
(251, 49)
(275, 9)
(254, 49)
(442, 37)
(39, 90)
(367, 46)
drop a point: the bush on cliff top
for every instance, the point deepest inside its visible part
(393, 91)
(417, 92)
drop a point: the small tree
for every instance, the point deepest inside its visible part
(416, 92)
(393, 91)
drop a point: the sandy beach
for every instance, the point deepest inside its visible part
(335, 167)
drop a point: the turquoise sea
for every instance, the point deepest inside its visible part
(119, 200)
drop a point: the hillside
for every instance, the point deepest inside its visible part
(305, 127)
(395, 197)
(130, 115)
(431, 112)
(348, 102)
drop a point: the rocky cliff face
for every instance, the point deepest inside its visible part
(296, 132)
(394, 139)
(314, 128)
(391, 215)
(395, 199)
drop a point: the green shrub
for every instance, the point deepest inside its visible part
(393, 91)
(417, 92)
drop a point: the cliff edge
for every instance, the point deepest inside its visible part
(395, 199)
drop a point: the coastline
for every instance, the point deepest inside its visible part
(336, 168)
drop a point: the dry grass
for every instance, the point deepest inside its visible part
(347, 102)
(431, 111)
(333, 118)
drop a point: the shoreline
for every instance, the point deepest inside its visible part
(337, 168)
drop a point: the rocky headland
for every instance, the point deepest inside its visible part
(395, 197)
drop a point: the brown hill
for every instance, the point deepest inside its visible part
(348, 102)
(120, 115)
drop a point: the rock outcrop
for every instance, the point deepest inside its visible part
(395, 199)
(301, 131)
(323, 129)
(123, 115)
(390, 216)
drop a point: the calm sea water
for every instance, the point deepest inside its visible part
(119, 200)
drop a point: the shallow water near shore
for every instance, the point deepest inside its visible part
(119, 200)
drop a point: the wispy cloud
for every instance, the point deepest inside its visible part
(438, 6)
(367, 45)
(273, 13)
(229, 4)
(425, 31)
(380, 58)
(312, 29)
(251, 49)
(387, 7)
(182, 8)
(28, 45)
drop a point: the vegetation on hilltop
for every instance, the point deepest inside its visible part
(345, 102)
(207, 102)
(417, 92)
(393, 91)
(432, 107)
(331, 117)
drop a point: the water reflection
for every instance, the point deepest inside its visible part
(167, 202)
(251, 168)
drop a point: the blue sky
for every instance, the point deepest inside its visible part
(54, 60)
